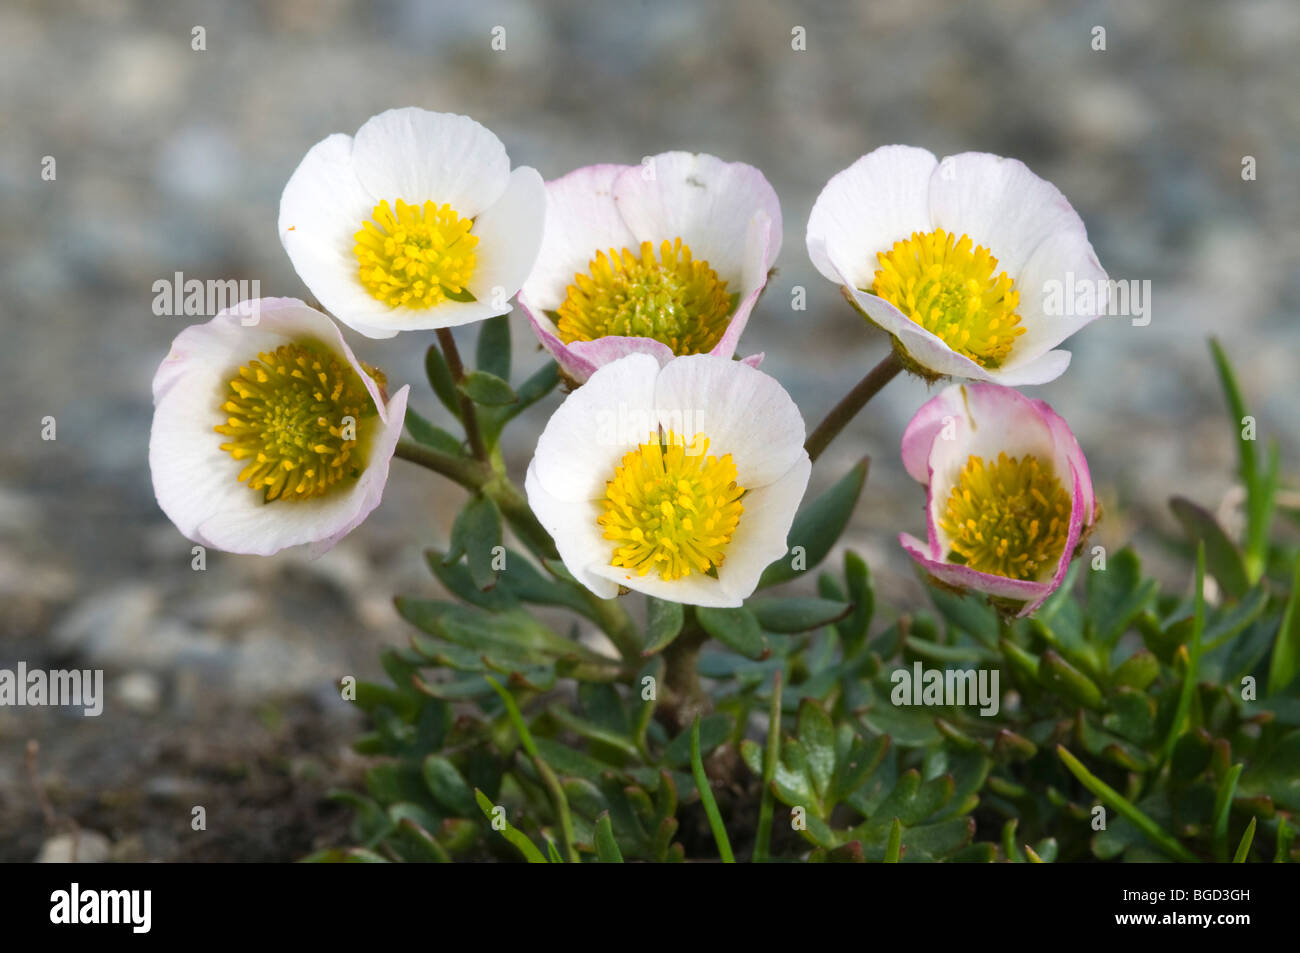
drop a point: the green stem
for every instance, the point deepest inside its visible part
(1193, 658)
(470, 474)
(468, 415)
(853, 401)
(687, 699)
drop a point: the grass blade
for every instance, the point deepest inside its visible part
(1243, 849)
(706, 797)
(770, 759)
(1125, 808)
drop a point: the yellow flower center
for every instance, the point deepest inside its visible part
(953, 290)
(1011, 518)
(417, 256)
(295, 415)
(672, 508)
(673, 299)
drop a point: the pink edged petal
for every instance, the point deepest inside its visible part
(880, 199)
(578, 537)
(196, 482)
(963, 577)
(925, 428)
(1000, 204)
(762, 535)
(754, 360)
(589, 433)
(603, 350)
(741, 410)
(1069, 456)
(753, 280)
(1071, 541)
(417, 156)
(573, 366)
(705, 201)
(581, 219)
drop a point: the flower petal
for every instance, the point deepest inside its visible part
(762, 535)
(417, 156)
(880, 199)
(705, 201)
(581, 219)
(585, 439)
(1000, 204)
(741, 410)
(577, 535)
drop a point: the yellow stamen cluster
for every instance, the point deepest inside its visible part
(416, 256)
(295, 414)
(672, 508)
(952, 290)
(673, 299)
(1010, 518)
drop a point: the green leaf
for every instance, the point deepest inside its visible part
(447, 786)
(1222, 558)
(817, 527)
(1117, 595)
(1285, 662)
(797, 614)
(493, 351)
(1276, 773)
(737, 629)
(706, 797)
(541, 383)
(1138, 671)
(1178, 724)
(606, 847)
(1243, 846)
(488, 389)
(663, 624)
(970, 614)
(510, 833)
(816, 734)
(861, 594)
(440, 379)
(1063, 678)
(422, 431)
(1222, 807)
(477, 534)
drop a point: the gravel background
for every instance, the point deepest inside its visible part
(169, 159)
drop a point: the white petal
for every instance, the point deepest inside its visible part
(585, 439)
(417, 156)
(762, 534)
(1050, 308)
(706, 202)
(1000, 204)
(880, 199)
(581, 219)
(741, 410)
(510, 234)
(577, 535)
(693, 590)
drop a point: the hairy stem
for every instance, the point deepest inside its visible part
(853, 401)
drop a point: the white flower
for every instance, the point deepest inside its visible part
(268, 432)
(666, 258)
(680, 482)
(415, 223)
(970, 263)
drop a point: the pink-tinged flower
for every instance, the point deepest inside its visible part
(415, 223)
(665, 258)
(974, 265)
(1008, 496)
(268, 432)
(679, 481)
